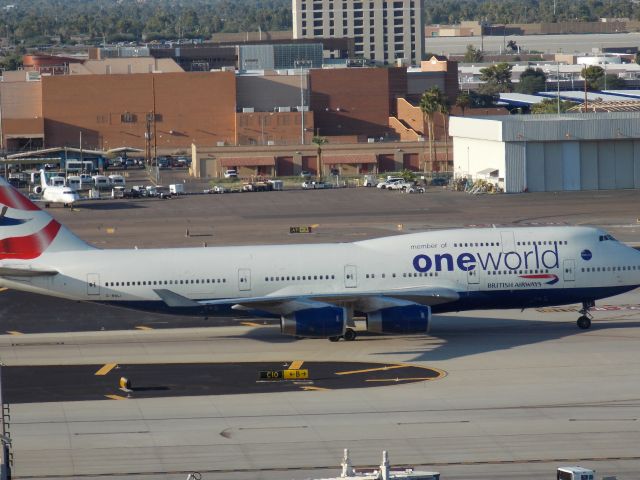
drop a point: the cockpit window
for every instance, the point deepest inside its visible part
(604, 238)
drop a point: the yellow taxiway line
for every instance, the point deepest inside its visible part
(116, 397)
(106, 369)
(250, 324)
(410, 379)
(3, 289)
(143, 327)
(319, 389)
(14, 332)
(367, 370)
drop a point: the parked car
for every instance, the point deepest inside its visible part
(439, 181)
(231, 173)
(305, 174)
(217, 189)
(314, 185)
(389, 181)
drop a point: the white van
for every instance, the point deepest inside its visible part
(101, 182)
(57, 181)
(116, 181)
(73, 166)
(74, 183)
(86, 180)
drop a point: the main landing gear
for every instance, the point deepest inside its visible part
(349, 336)
(584, 322)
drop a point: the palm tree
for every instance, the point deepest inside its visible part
(445, 109)
(430, 104)
(463, 100)
(319, 141)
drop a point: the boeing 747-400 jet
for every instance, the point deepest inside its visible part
(397, 282)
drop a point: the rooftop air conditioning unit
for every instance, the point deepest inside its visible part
(284, 109)
(220, 144)
(371, 140)
(248, 109)
(303, 108)
(270, 142)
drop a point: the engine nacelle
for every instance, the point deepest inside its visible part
(38, 189)
(404, 320)
(323, 322)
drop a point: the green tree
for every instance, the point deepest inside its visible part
(463, 101)
(550, 105)
(609, 82)
(594, 76)
(319, 141)
(11, 62)
(472, 55)
(496, 78)
(532, 80)
(431, 103)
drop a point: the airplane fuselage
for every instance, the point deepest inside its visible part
(487, 268)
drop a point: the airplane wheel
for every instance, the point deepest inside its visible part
(334, 339)
(350, 335)
(584, 322)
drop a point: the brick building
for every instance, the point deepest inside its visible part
(112, 110)
(356, 101)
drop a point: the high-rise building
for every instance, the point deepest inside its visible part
(384, 31)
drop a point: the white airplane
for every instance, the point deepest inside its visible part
(397, 282)
(58, 194)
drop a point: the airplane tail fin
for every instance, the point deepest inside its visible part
(27, 232)
(43, 180)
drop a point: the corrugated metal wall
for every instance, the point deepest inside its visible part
(572, 165)
(515, 174)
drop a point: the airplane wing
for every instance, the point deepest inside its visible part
(283, 304)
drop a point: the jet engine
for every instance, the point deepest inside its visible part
(322, 322)
(402, 319)
(38, 189)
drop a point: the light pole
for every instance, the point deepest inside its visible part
(301, 64)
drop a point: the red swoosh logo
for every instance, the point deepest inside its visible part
(544, 275)
(14, 199)
(30, 246)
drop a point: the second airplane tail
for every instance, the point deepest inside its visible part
(27, 232)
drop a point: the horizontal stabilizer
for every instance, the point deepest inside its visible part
(174, 300)
(25, 272)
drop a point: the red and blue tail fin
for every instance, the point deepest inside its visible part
(27, 232)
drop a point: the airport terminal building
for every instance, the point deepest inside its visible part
(550, 153)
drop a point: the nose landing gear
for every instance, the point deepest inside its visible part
(584, 322)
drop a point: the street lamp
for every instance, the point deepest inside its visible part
(301, 64)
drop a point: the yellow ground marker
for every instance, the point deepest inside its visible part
(106, 369)
(315, 225)
(14, 332)
(116, 397)
(319, 389)
(379, 369)
(143, 327)
(251, 324)
(296, 365)
(111, 230)
(3, 289)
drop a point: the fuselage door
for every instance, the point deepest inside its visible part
(244, 279)
(569, 270)
(507, 242)
(350, 276)
(93, 284)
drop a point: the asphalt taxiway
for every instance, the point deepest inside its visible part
(523, 393)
